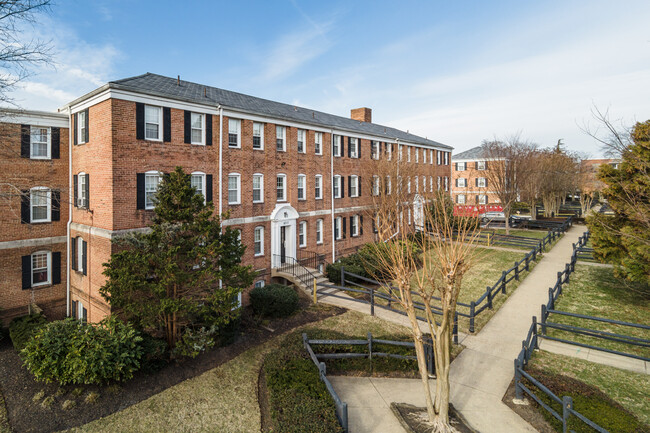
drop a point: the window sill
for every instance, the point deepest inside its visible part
(234, 204)
(40, 222)
(259, 255)
(234, 147)
(258, 202)
(157, 140)
(319, 243)
(40, 158)
(40, 286)
(318, 198)
(197, 144)
(258, 148)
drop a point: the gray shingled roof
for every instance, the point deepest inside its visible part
(159, 85)
(473, 153)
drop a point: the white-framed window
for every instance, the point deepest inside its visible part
(446, 158)
(319, 231)
(152, 123)
(446, 183)
(234, 188)
(259, 284)
(354, 225)
(389, 149)
(281, 187)
(354, 147)
(460, 198)
(80, 252)
(400, 184)
(439, 182)
(318, 143)
(354, 186)
(375, 150)
(81, 125)
(424, 156)
(258, 136)
(389, 186)
(41, 268)
(439, 157)
(417, 155)
(238, 235)
(198, 183)
(302, 180)
(40, 142)
(337, 228)
(400, 155)
(461, 166)
(258, 188)
(81, 189)
(409, 215)
(408, 185)
(482, 199)
(417, 184)
(234, 133)
(259, 240)
(302, 140)
(424, 184)
(281, 138)
(431, 153)
(302, 234)
(375, 185)
(198, 128)
(318, 187)
(336, 149)
(481, 182)
(462, 182)
(430, 183)
(336, 186)
(480, 165)
(151, 181)
(408, 153)
(40, 202)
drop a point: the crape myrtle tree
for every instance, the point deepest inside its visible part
(404, 229)
(185, 270)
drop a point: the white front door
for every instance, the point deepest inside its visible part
(283, 234)
(418, 213)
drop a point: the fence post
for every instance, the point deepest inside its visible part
(567, 405)
(518, 393)
(488, 239)
(534, 341)
(344, 416)
(503, 282)
(489, 297)
(322, 368)
(472, 309)
(559, 283)
(304, 340)
(455, 329)
(315, 293)
(551, 300)
(516, 271)
(535, 251)
(527, 261)
(567, 272)
(370, 346)
(342, 276)
(543, 319)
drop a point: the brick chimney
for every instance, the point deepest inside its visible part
(361, 114)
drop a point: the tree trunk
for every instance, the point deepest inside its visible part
(507, 215)
(533, 210)
(422, 365)
(442, 353)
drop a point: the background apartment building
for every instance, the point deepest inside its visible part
(292, 180)
(470, 184)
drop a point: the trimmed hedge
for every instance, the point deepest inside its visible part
(22, 329)
(72, 352)
(274, 300)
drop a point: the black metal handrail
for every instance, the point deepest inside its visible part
(293, 267)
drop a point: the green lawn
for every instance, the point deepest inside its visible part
(4, 421)
(223, 399)
(537, 234)
(594, 291)
(628, 389)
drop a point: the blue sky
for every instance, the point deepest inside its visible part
(454, 71)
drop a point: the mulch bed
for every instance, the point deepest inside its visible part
(28, 414)
(415, 420)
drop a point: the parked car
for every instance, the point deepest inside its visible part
(501, 217)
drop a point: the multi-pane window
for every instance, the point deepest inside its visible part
(482, 199)
(481, 182)
(40, 142)
(462, 182)
(80, 253)
(234, 133)
(152, 122)
(41, 204)
(439, 157)
(354, 225)
(301, 140)
(281, 187)
(424, 184)
(354, 186)
(431, 153)
(197, 128)
(259, 284)
(446, 158)
(446, 183)
(408, 153)
(460, 198)
(301, 187)
(417, 155)
(400, 155)
(439, 182)
(258, 135)
(430, 183)
(337, 228)
(318, 187)
(389, 149)
(318, 143)
(417, 184)
(259, 241)
(408, 186)
(41, 268)
(424, 156)
(336, 150)
(258, 188)
(234, 188)
(302, 234)
(460, 166)
(389, 186)
(281, 138)
(375, 150)
(375, 185)
(198, 183)
(81, 126)
(354, 147)
(336, 186)
(151, 181)
(319, 231)
(480, 165)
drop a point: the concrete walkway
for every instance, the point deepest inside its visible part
(481, 374)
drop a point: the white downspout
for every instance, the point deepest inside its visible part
(70, 205)
(332, 192)
(220, 108)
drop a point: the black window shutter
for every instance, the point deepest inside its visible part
(73, 253)
(208, 129)
(208, 187)
(361, 224)
(342, 146)
(25, 217)
(188, 126)
(486, 182)
(84, 257)
(76, 128)
(477, 199)
(87, 124)
(456, 166)
(167, 124)
(476, 181)
(342, 186)
(139, 121)
(75, 182)
(349, 186)
(344, 221)
(457, 182)
(27, 272)
(349, 147)
(486, 165)
(140, 190)
(359, 147)
(351, 234)
(24, 141)
(56, 267)
(359, 186)
(87, 190)
(73, 310)
(56, 143)
(56, 205)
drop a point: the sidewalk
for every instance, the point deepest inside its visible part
(481, 374)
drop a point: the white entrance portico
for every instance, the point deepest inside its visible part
(283, 233)
(418, 212)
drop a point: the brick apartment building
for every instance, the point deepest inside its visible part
(470, 184)
(290, 178)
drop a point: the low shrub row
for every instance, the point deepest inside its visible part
(21, 329)
(274, 300)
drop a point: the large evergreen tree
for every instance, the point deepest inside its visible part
(185, 269)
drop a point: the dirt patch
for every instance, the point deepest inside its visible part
(414, 419)
(529, 412)
(37, 407)
(263, 399)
